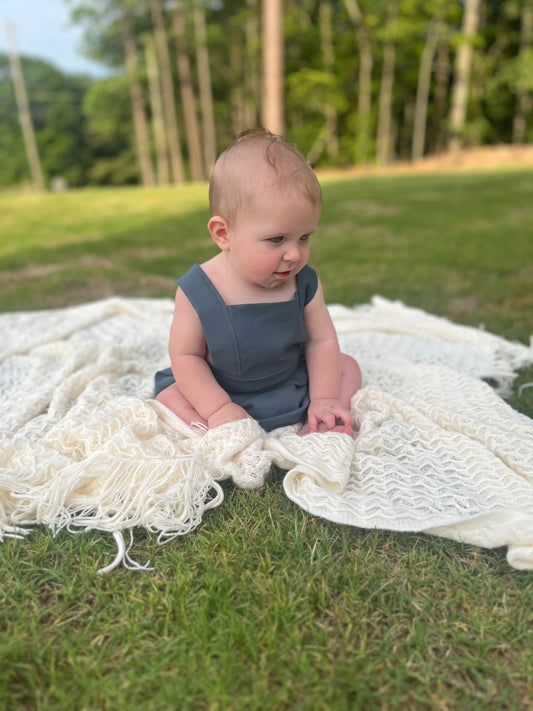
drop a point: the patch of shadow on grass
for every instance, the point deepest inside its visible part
(40, 271)
(85, 279)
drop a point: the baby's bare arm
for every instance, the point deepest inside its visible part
(324, 366)
(188, 349)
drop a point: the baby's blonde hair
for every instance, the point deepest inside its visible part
(239, 174)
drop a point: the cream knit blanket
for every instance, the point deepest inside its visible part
(82, 445)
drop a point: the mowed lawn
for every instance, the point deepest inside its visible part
(265, 606)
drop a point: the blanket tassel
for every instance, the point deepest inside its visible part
(123, 556)
(13, 532)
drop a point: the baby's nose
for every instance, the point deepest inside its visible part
(292, 253)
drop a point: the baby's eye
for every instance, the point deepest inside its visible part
(304, 238)
(276, 240)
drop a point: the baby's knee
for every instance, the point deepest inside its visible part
(162, 396)
(351, 373)
(171, 397)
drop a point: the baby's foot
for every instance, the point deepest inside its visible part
(339, 427)
(343, 429)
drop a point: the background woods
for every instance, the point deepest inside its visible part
(352, 81)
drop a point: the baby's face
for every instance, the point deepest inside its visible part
(269, 237)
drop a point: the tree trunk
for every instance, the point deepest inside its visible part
(383, 141)
(440, 98)
(272, 108)
(206, 90)
(167, 88)
(328, 61)
(252, 80)
(463, 68)
(364, 103)
(237, 91)
(524, 100)
(187, 94)
(364, 100)
(24, 114)
(140, 123)
(158, 122)
(422, 89)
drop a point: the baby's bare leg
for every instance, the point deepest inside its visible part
(350, 380)
(175, 400)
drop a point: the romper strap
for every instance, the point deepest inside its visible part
(307, 285)
(212, 312)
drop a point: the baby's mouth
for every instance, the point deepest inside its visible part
(283, 275)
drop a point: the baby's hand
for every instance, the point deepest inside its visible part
(327, 415)
(230, 412)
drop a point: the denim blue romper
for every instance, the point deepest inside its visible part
(256, 351)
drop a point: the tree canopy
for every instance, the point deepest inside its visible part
(362, 81)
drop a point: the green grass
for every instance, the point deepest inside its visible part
(265, 606)
(458, 245)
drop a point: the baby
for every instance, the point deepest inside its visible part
(251, 334)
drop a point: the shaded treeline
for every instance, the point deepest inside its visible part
(352, 81)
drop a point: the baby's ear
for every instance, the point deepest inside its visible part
(219, 230)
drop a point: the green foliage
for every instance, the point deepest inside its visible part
(523, 66)
(104, 22)
(103, 152)
(12, 158)
(314, 89)
(308, 91)
(109, 132)
(56, 108)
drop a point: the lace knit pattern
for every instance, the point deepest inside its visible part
(83, 445)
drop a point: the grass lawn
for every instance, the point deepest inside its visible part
(264, 606)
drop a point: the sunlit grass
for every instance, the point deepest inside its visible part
(85, 217)
(265, 607)
(458, 245)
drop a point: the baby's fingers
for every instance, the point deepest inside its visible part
(327, 419)
(345, 416)
(313, 423)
